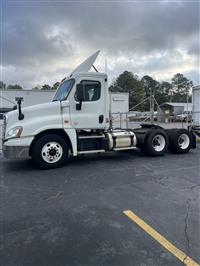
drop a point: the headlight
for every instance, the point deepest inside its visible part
(14, 132)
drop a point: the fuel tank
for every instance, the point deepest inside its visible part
(121, 139)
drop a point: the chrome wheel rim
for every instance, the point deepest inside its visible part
(183, 141)
(52, 152)
(158, 143)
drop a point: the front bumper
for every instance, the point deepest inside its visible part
(15, 152)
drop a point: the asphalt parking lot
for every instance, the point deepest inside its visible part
(74, 215)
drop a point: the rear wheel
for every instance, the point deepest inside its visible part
(156, 143)
(180, 141)
(50, 151)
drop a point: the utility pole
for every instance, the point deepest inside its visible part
(187, 91)
(171, 94)
(151, 105)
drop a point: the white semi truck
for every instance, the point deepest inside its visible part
(78, 121)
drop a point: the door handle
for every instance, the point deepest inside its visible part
(101, 117)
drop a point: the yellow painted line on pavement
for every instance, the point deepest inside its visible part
(160, 239)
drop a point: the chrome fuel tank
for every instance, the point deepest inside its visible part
(121, 139)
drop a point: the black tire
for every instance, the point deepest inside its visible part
(177, 144)
(156, 143)
(58, 150)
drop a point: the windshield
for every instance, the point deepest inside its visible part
(63, 90)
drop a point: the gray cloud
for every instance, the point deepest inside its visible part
(45, 38)
(26, 43)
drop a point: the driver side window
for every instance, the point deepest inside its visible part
(92, 90)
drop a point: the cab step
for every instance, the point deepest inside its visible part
(90, 151)
(90, 136)
(124, 148)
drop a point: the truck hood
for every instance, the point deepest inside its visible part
(36, 118)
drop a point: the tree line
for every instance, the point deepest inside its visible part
(45, 87)
(139, 89)
(178, 90)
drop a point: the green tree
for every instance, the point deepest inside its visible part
(35, 88)
(128, 82)
(180, 86)
(149, 84)
(46, 87)
(55, 85)
(2, 85)
(63, 79)
(14, 87)
(164, 92)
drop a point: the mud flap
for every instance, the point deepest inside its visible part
(194, 143)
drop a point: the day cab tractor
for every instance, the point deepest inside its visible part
(78, 121)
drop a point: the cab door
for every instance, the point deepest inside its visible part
(93, 109)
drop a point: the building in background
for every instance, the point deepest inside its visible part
(169, 111)
(176, 108)
(31, 97)
(119, 101)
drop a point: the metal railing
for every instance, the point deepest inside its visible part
(125, 120)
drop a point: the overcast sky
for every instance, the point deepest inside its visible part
(42, 41)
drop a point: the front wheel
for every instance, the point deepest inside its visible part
(156, 143)
(50, 151)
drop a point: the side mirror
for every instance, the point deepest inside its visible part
(79, 95)
(19, 102)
